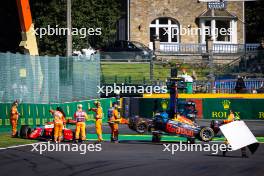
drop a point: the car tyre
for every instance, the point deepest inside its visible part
(25, 131)
(206, 134)
(141, 128)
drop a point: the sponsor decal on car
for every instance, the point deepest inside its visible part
(171, 128)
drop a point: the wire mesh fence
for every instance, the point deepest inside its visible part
(44, 79)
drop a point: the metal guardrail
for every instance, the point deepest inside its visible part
(180, 48)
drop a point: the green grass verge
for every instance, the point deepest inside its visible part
(139, 72)
(149, 138)
(7, 141)
(124, 72)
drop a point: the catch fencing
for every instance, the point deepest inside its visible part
(44, 79)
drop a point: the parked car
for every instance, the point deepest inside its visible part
(126, 50)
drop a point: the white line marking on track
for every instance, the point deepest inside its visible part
(17, 146)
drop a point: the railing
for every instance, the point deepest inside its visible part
(251, 47)
(180, 48)
(228, 48)
(228, 86)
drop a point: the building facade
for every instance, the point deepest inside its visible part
(182, 22)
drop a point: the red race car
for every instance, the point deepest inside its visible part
(46, 132)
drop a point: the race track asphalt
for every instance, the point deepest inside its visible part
(129, 158)
(132, 158)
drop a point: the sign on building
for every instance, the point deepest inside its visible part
(217, 5)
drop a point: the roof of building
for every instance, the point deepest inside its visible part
(217, 13)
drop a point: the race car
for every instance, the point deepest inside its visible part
(215, 125)
(140, 125)
(143, 125)
(162, 125)
(187, 109)
(180, 126)
(176, 119)
(46, 132)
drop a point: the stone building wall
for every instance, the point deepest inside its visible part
(143, 12)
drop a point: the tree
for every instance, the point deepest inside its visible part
(95, 14)
(87, 15)
(49, 13)
(254, 21)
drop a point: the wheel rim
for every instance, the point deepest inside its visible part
(141, 127)
(206, 134)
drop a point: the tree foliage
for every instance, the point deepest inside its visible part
(87, 14)
(102, 14)
(254, 21)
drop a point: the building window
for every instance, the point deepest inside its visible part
(166, 28)
(223, 34)
(221, 30)
(152, 33)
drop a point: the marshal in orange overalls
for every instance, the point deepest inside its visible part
(59, 120)
(14, 114)
(113, 118)
(98, 120)
(80, 117)
(230, 118)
